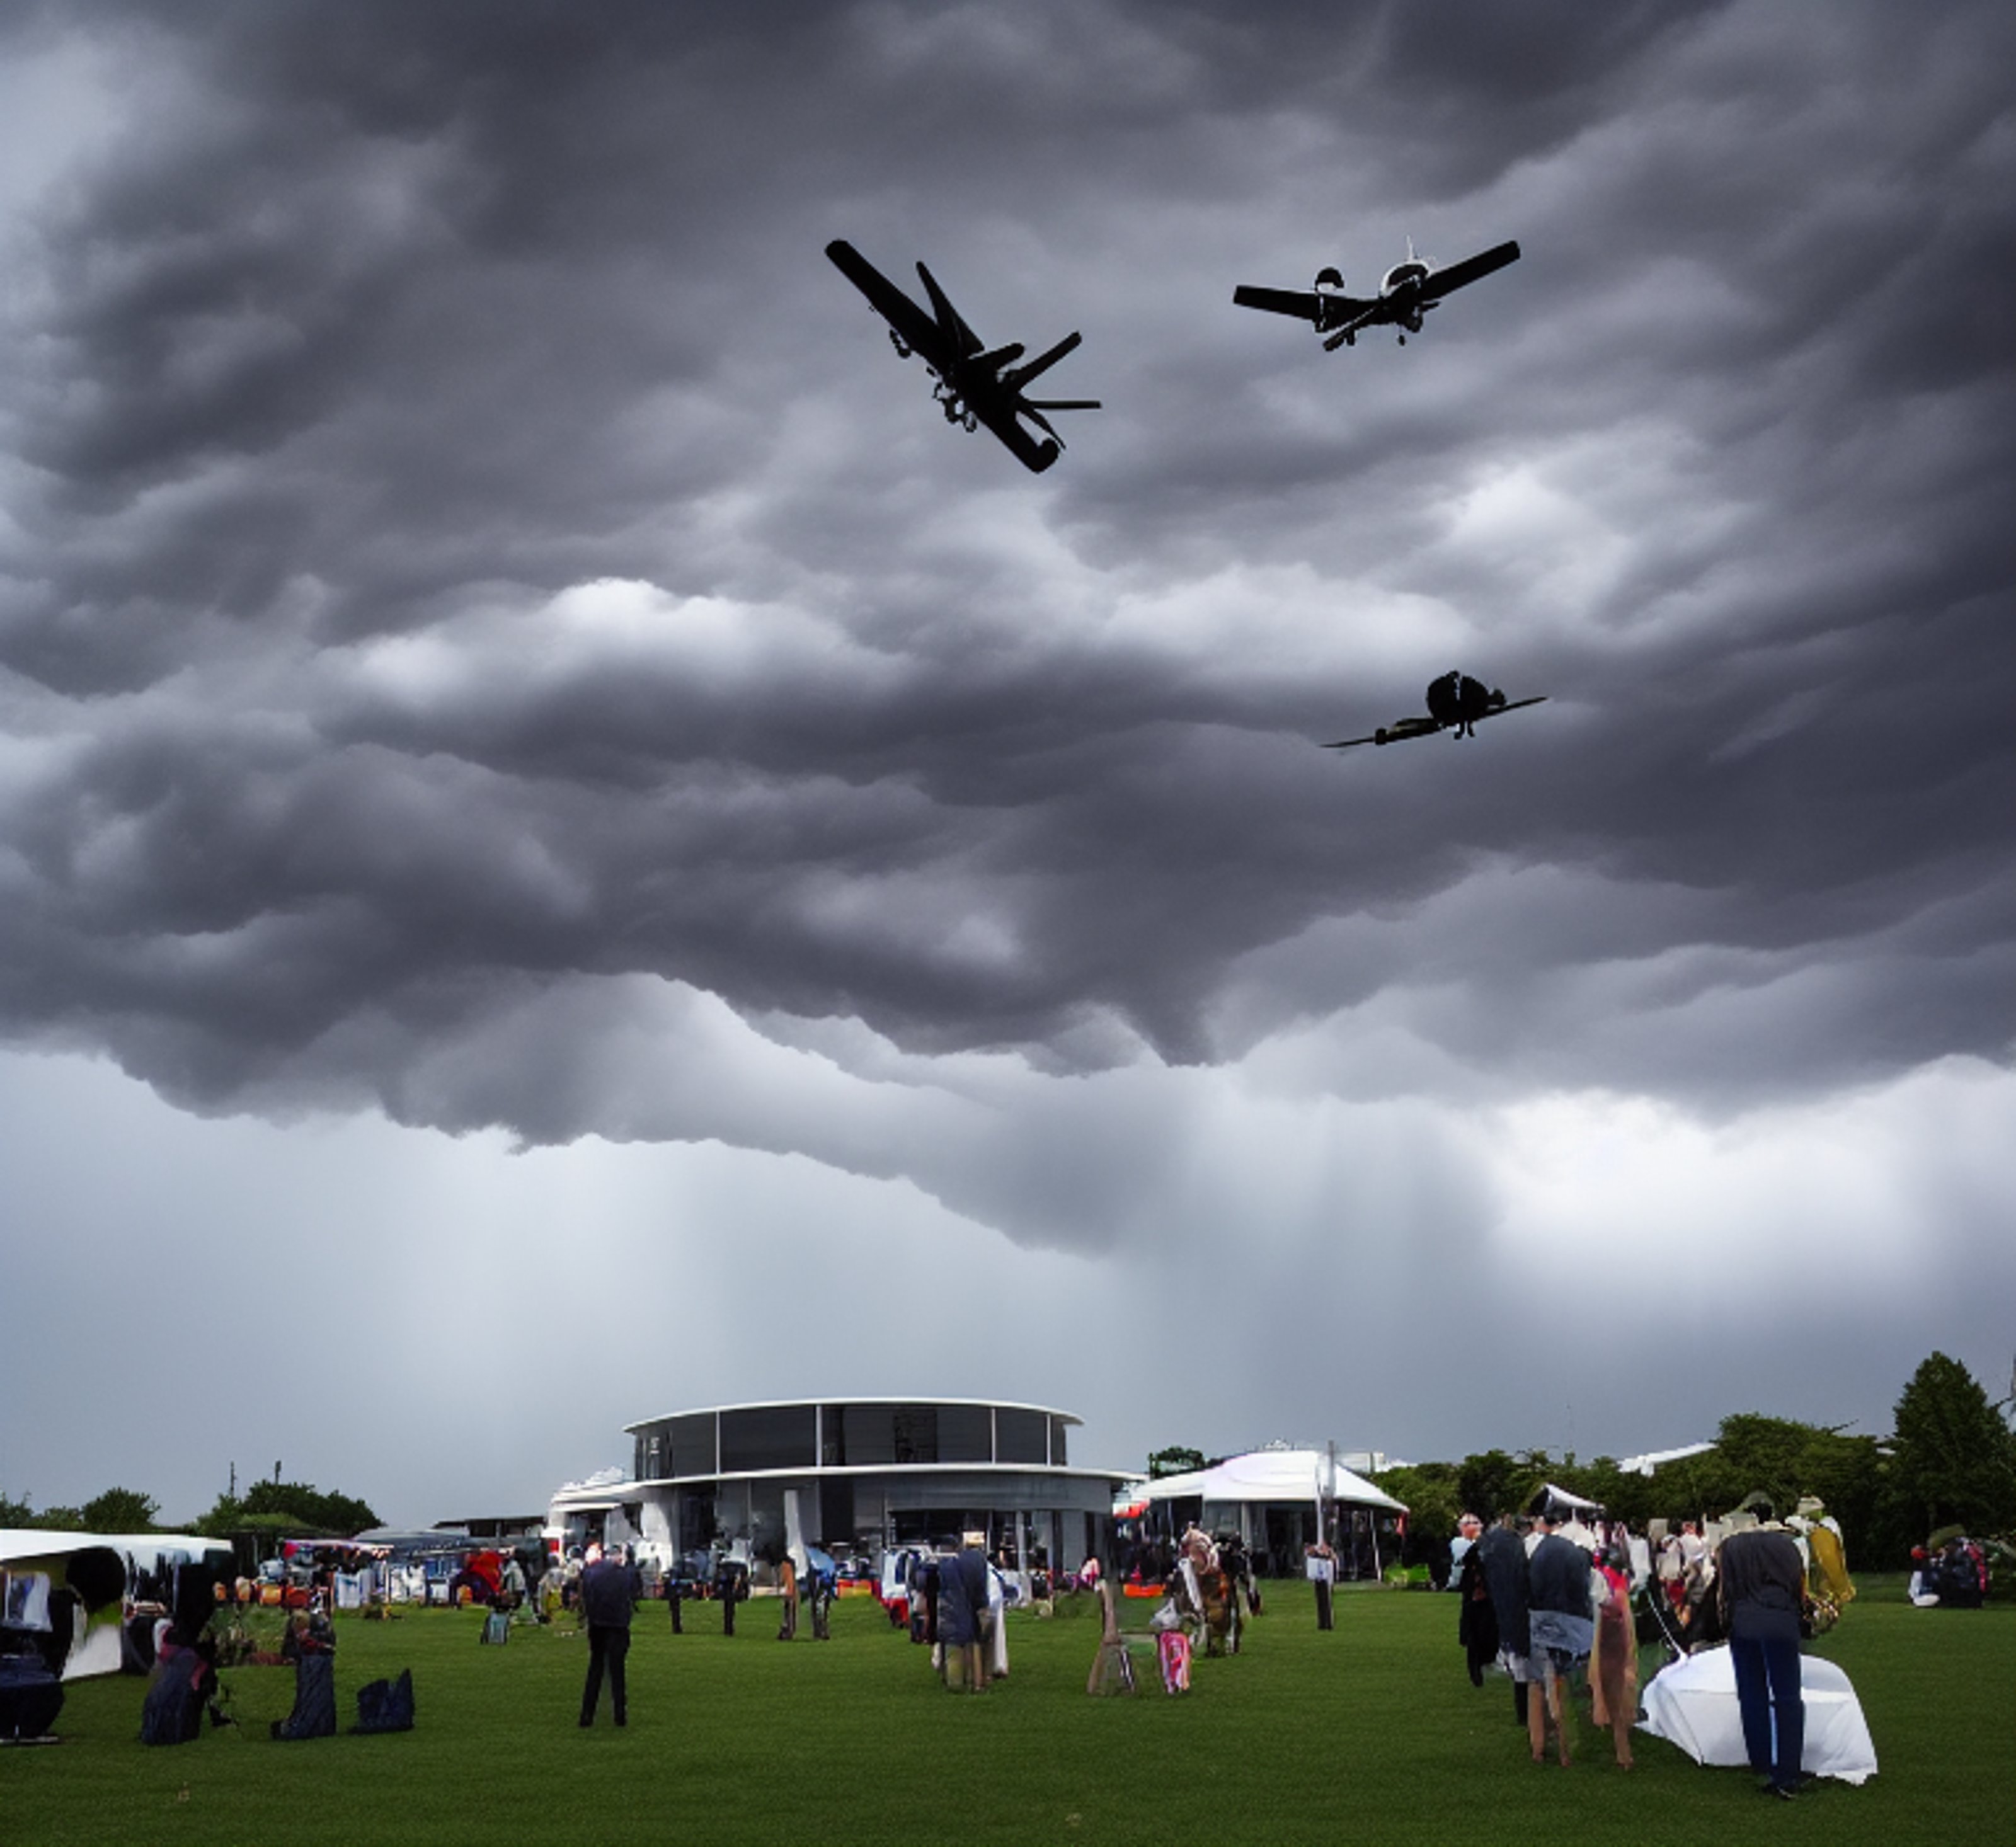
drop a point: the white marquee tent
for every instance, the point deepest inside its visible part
(1239, 1493)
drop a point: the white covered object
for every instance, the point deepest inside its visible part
(1692, 1703)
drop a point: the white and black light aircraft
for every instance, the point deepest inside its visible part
(1407, 293)
(1456, 703)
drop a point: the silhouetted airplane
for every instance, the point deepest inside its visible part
(1456, 703)
(975, 385)
(1407, 293)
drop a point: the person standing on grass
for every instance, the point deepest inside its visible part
(1469, 1529)
(731, 1575)
(787, 1592)
(606, 1608)
(1761, 1590)
(1501, 1556)
(513, 1586)
(1321, 1566)
(1477, 1622)
(962, 1614)
(1612, 1669)
(1559, 1628)
(974, 1575)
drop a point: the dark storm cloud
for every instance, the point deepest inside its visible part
(465, 546)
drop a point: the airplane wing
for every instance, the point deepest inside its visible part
(917, 329)
(1323, 309)
(1500, 712)
(1457, 275)
(1402, 728)
(1399, 731)
(950, 320)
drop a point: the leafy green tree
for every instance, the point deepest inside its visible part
(1493, 1483)
(120, 1510)
(1174, 1460)
(224, 1518)
(1633, 1499)
(1953, 1459)
(15, 1513)
(304, 1510)
(1429, 1490)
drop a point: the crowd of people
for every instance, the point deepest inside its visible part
(1547, 1597)
(1556, 1599)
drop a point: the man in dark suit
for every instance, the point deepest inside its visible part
(1501, 1556)
(606, 1606)
(1762, 1587)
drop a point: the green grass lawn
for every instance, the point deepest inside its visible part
(1371, 1732)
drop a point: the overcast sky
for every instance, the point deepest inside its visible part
(568, 850)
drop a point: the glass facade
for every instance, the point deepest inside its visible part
(678, 1447)
(1022, 1436)
(966, 1433)
(752, 1438)
(689, 1446)
(768, 1437)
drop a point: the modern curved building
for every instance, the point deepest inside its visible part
(856, 1475)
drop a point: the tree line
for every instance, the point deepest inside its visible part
(267, 1510)
(1950, 1462)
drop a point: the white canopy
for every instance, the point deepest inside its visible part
(1551, 1495)
(1274, 1477)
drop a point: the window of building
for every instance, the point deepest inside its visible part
(1058, 1454)
(689, 1445)
(860, 1435)
(768, 1437)
(914, 1433)
(966, 1433)
(1022, 1436)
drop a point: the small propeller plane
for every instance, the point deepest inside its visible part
(1456, 703)
(975, 384)
(1407, 293)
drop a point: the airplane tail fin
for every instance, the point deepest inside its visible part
(1034, 408)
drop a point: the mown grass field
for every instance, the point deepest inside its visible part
(1370, 1733)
